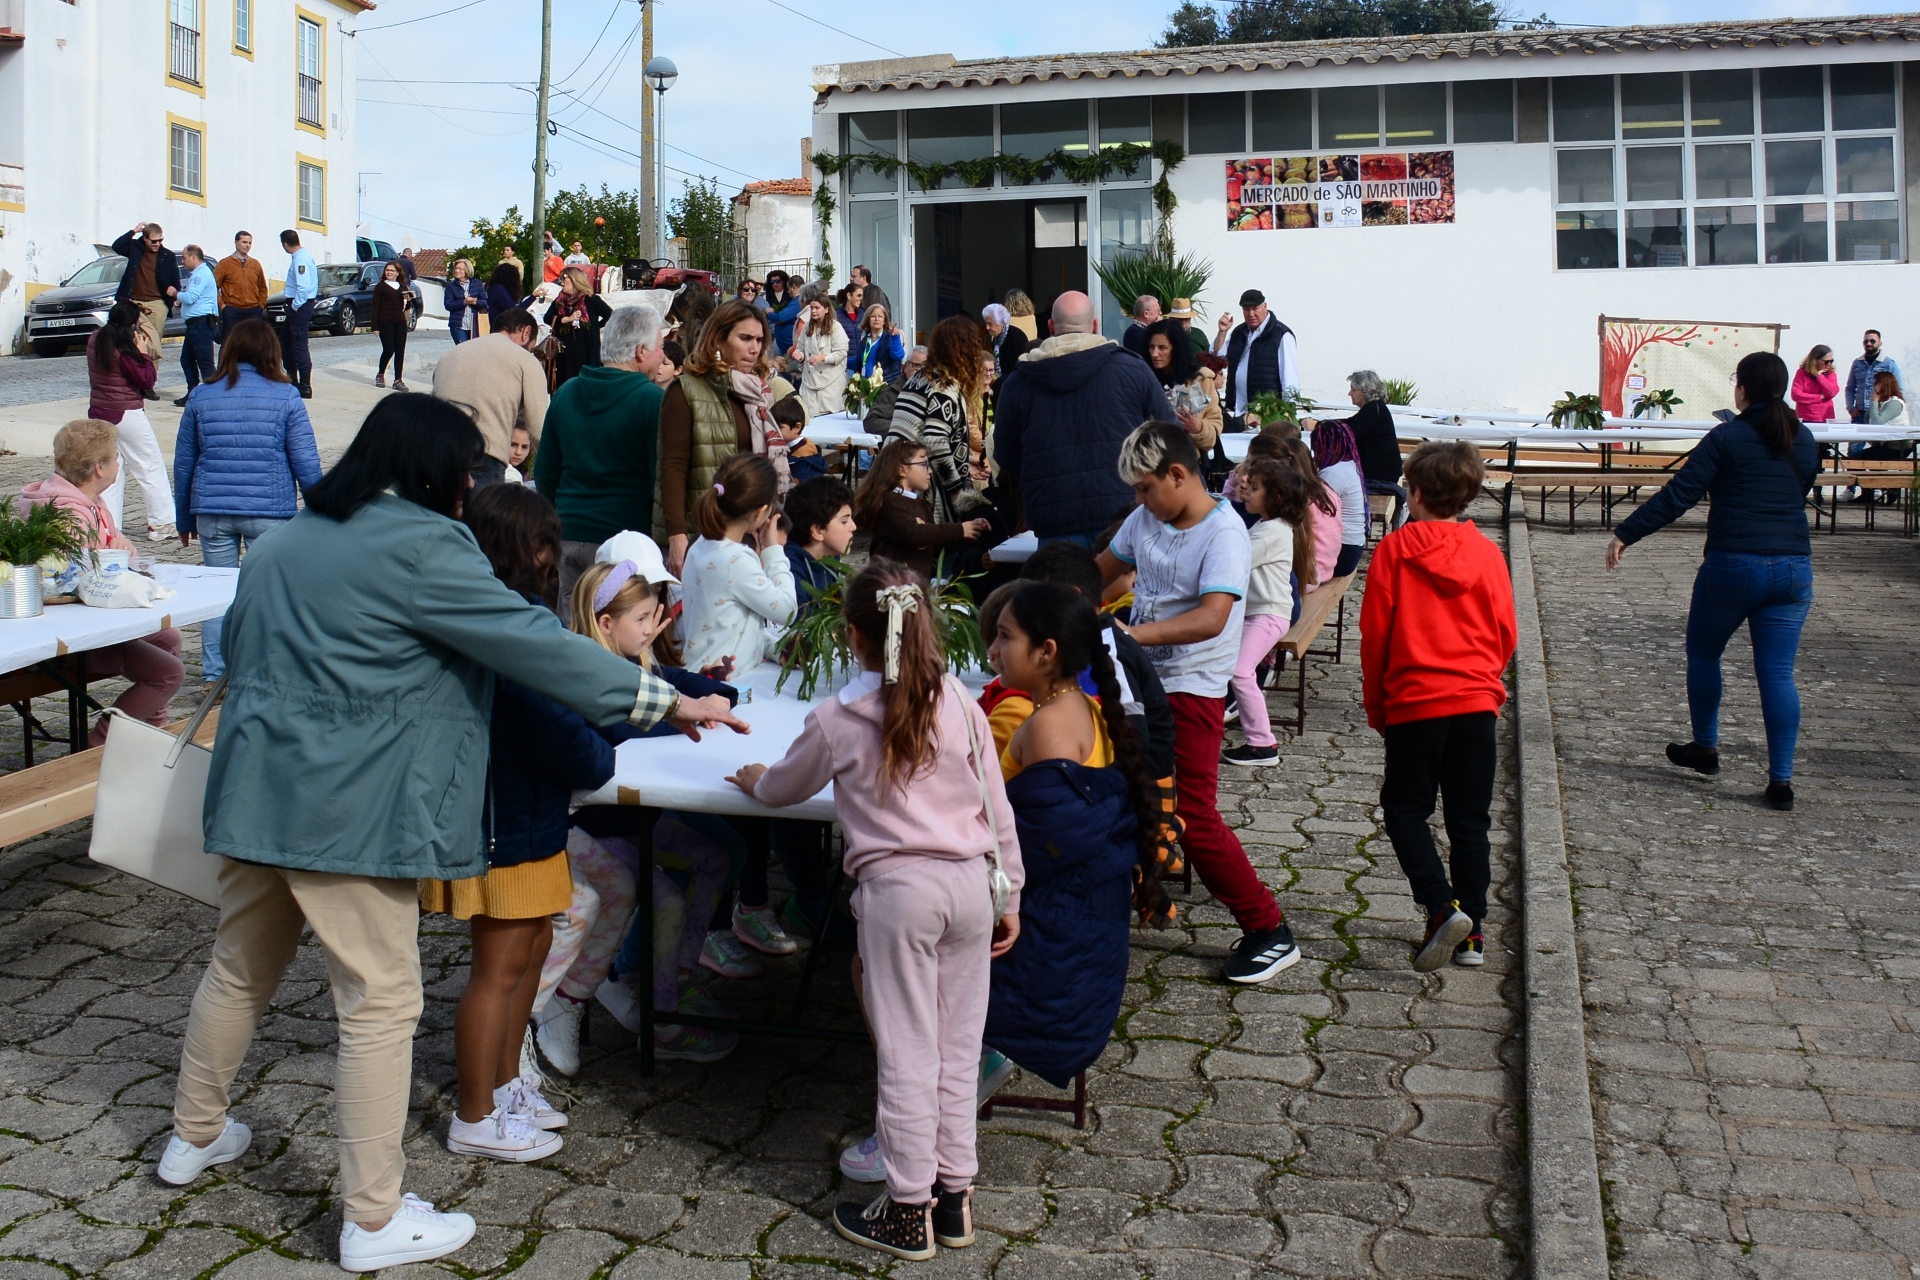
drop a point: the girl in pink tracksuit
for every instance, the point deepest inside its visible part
(911, 761)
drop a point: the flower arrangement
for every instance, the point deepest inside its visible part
(862, 390)
(814, 645)
(1580, 412)
(1657, 404)
(1280, 406)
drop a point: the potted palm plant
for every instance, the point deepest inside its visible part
(39, 540)
(814, 646)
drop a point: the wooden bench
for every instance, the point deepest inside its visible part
(1328, 600)
(37, 800)
(1380, 508)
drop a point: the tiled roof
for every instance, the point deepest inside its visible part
(430, 262)
(777, 187)
(943, 71)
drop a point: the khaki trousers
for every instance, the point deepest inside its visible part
(369, 930)
(153, 318)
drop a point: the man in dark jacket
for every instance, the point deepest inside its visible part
(1063, 412)
(151, 280)
(1261, 356)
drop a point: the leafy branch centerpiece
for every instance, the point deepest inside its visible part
(814, 646)
(1657, 404)
(1280, 406)
(1584, 413)
(39, 542)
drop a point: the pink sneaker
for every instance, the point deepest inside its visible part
(861, 1161)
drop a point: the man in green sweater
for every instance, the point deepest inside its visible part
(602, 442)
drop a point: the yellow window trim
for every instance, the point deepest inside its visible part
(199, 127)
(12, 206)
(166, 53)
(319, 130)
(326, 191)
(240, 50)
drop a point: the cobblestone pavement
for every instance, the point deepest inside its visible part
(1349, 1119)
(1751, 976)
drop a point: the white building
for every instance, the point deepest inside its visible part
(1508, 190)
(776, 217)
(206, 116)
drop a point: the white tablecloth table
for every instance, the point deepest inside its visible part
(199, 593)
(829, 430)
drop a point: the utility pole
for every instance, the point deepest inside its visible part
(649, 190)
(537, 260)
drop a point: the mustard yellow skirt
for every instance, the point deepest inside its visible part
(524, 891)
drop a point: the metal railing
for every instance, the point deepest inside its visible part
(309, 100)
(183, 53)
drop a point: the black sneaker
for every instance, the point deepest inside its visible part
(1258, 956)
(1694, 756)
(1780, 796)
(952, 1217)
(1446, 929)
(1250, 756)
(181, 403)
(903, 1230)
(1473, 952)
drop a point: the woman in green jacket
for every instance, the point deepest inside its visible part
(352, 760)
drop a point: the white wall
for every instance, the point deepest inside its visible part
(779, 228)
(1476, 314)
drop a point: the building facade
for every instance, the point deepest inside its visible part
(205, 116)
(1462, 211)
(775, 217)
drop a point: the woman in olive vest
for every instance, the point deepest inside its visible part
(708, 417)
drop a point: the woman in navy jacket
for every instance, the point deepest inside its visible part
(1758, 567)
(466, 301)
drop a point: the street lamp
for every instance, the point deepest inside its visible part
(660, 73)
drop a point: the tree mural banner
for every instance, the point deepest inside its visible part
(1380, 189)
(1693, 358)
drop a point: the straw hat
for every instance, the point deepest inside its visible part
(1182, 309)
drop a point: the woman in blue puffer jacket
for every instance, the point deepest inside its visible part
(1085, 807)
(244, 452)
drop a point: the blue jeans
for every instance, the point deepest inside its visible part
(1771, 594)
(459, 335)
(221, 541)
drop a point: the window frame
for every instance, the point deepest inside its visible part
(301, 163)
(302, 17)
(243, 23)
(197, 86)
(199, 129)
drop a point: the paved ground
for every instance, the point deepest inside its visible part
(1751, 975)
(1350, 1119)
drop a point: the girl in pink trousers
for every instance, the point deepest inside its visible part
(925, 814)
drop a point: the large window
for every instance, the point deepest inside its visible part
(1350, 117)
(183, 41)
(184, 148)
(308, 71)
(1727, 168)
(947, 135)
(1035, 129)
(313, 193)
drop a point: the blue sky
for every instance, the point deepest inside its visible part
(436, 154)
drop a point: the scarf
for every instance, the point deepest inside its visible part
(763, 433)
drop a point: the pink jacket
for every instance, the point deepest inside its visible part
(1326, 538)
(1813, 396)
(939, 816)
(68, 496)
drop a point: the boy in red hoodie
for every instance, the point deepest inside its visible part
(1436, 635)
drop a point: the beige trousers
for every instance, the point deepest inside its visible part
(369, 930)
(153, 318)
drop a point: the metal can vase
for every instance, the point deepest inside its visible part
(21, 594)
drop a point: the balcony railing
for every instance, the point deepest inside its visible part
(309, 101)
(183, 54)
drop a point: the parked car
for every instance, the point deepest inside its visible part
(367, 250)
(66, 316)
(346, 298)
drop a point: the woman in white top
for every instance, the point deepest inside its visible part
(1887, 408)
(820, 351)
(1337, 455)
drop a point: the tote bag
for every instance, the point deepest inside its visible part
(147, 806)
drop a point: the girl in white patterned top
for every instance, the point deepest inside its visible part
(736, 579)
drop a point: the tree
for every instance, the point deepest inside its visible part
(570, 216)
(701, 217)
(1621, 343)
(1257, 21)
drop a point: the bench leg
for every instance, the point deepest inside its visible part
(1300, 720)
(1340, 630)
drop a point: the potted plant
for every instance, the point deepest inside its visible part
(1580, 412)
(814, 645)
(862, 390)
(1279, 406)
(1400, 390)
(41, 540)
(1658, 404)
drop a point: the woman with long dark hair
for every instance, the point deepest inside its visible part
(503, 289)
(362, 647)
(1758, 566)
(1188, 383)
(120, 376)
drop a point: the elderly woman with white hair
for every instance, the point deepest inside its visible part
(1373, 432)
(1006, 339)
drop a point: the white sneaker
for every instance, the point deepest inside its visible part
(617, 998)
(502, 1135)
(522, 1097)
(161, 533)
(556, 1029)
(182, 1162)
(760, 929)
(415, 1234)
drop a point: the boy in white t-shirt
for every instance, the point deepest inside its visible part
(1192, 558)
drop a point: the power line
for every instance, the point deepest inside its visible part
(611, 13)
(829, 26)
(425, 231)
(671, 146)
(511, 84)
(425, 17)
(584, 139)
(441, 106)
(478, 133)
(601, 82)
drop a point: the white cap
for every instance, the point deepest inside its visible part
(639, 548)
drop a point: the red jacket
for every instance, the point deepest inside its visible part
(1436, 624)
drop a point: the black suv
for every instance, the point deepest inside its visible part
(346, 298)
(66, 316)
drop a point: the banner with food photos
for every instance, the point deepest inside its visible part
(1368, 189)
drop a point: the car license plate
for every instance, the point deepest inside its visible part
(61, 324)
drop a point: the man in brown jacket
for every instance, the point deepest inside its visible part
(242, 284)
(500, 385)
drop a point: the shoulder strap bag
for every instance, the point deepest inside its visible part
(148, 804)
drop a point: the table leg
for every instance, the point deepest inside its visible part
(643, 840)
(77, 705)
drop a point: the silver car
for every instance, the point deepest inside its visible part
(66, 316)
